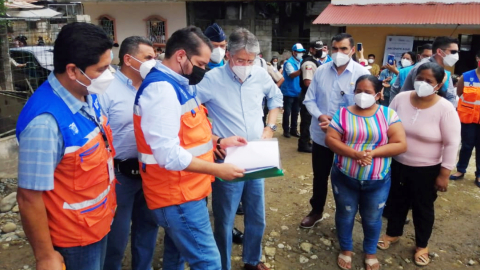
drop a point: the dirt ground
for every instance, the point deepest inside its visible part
(454, 244)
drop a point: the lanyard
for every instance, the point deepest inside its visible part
(100, 127)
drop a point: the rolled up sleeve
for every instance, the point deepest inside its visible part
(274, 96)
(289, 68)
(161, 113)
(311, 100)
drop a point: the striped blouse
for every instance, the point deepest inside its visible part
(364, 133)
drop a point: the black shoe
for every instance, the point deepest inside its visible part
(305, 149)
(295, 133)
(240, 210)
(286, 134)
(237, 236)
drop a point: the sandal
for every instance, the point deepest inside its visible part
(369, 263)
(421, 257)
(347, 259)
(384, 244)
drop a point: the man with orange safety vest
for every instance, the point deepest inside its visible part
(66, 179)
(468, 89)
(175, 145)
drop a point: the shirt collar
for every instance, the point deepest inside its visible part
(177, 77)
(349, 66)
(124, 79)
(72, 102)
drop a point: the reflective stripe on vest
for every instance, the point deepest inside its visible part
(89, 137)
(476, 102)
(188, 106)
(195, 151)
(84, 204)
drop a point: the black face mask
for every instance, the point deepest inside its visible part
(318, 54)
(196, 76)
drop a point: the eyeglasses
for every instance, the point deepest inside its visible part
(242, 62)
(452, 51)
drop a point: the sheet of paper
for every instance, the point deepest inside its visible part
(255, 155)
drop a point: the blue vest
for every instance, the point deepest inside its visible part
(445, 85)
(156, 75)
(291, 87)
(213, 65)
(470, 78)
(74, 127)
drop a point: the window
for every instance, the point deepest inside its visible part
(157, 30)
(107, 23)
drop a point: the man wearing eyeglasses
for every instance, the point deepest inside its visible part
(445, 51)
(233, 95)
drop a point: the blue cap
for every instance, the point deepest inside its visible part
(298, 48)
(215, 33)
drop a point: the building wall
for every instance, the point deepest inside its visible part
(129, 17)
(374, 38)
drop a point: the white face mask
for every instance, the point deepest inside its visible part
(405, 62)
(424, 89)
(450, 59)
(217, 55)
(242, 72)
(275, 64)
(100, 84)
(340, 59)
(364, 100)
(324, 54)
(370, 61)
(299, 56)
(146, 67)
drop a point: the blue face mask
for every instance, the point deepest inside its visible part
(111, 55)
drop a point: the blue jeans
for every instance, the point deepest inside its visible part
(131, 207)
(188, 237)
(225, 199)
(89, 257)
(470, 139)
(351, 195)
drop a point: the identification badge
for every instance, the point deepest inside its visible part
(111, 169)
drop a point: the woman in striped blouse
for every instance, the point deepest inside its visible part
(364, 137)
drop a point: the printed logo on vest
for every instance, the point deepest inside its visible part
(96, 104)
(73, 128)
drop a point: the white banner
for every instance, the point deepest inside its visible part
(371, 2)
(397, 45)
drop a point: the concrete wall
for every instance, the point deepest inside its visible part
(129, 17)
(323, 33)
(10, 108)
(374, 38)
(8, 157)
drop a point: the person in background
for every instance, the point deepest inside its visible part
(282, 63)
(432, 127)
(308, 66)
(331, 88)
(364, 138)
(175, 148)
(375, 70)
(425, 52)
(324, 58)
(233, 95)
(275, 63)
(117, 104)
(273, 71)
(445, 54)
(291, 90)
(469, 112)
(40, 41)
(219, 42)
(66, 184)
(455, 79)
(386, 77)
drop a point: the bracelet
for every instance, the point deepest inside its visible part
(218, 142)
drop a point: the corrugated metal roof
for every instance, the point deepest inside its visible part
(401, 14)
(381, 2)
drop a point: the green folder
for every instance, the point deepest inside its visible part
(267, 173)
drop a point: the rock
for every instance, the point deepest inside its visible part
(274, 209)
(325, 216)
(284, 228)
(268, 243)
(433, 255)
(268, 265)
(326, 242)
(281, 246)
(26, 267)
(237, 258)
(21, 234)
(270, 251)
(471, 262)
(289, 247)
(9, 227)
(389, 260)
(7, 203)
(5, 246)
(264, 259)
(314, 257)
(274, 234)
(307, 247)
(15, 209)
(406, 260)
(302, 191)
(303, 259)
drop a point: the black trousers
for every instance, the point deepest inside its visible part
(322, 160)
(415, 187)
(305, 121)
(291, 107)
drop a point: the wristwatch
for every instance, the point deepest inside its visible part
(272, 126)
(218, 142)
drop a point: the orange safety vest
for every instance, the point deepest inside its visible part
(162, 187)
(469, 103)
(82, 204)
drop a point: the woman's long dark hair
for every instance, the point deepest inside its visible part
(438, 74)
(377, 84)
